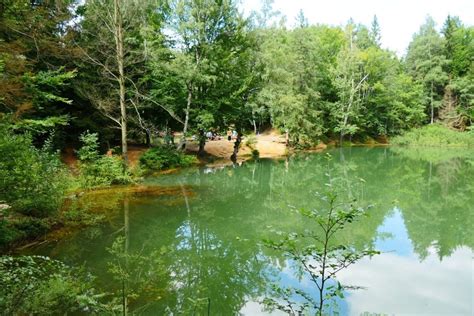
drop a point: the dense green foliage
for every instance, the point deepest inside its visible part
(435, 136)
(39, 285)
(134, 71)
(194, 66)
(97, 170)
(165, 157)
(33, 181)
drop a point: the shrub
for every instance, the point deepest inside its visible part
(435, 136)
(42, 286)
(104, 171)
(32, 181)
(99, 170)
(165, 157)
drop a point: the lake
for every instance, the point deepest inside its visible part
(198, 233)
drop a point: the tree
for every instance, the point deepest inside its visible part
(350, 79)
(459, 49)
(426, 61)
(209, 43)
(375, 35)
(318, 256)
(34, 63)
(114, 50)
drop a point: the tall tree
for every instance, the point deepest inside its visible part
(375, 33)
(207, 39)
(114, 49)
(33, 55)
(426, 62)
(350, 80)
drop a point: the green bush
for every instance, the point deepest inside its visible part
(435, 136)
(32, 181)
(165, 157)
(99, 170)
(7, 234)
(105, 171)
(36, 285)
(31, 227)
(20, 229)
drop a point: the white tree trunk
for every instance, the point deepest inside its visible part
(121, 78)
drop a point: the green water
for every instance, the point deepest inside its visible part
(208, 225)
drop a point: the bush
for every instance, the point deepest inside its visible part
(20, 229)
(33, 181)
(165, 157)
(105, 171)
(435, 136)
(7, 234)
(99, 170)
(42, 286)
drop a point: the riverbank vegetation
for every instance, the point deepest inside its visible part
(435, 136)
(90, 78)
(191, 67)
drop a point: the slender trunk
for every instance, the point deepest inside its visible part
(182, 144)
(431, 103)
(121, 78)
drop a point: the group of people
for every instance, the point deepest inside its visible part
(168, 136)
(211, 135)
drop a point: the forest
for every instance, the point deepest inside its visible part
(104, 94)
(131, 70)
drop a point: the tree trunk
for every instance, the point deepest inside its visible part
(431, 103)
(236, 147)
(202, 143)
(182, 143)
(147, 138)
(121, 78)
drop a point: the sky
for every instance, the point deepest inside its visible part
(398, 19)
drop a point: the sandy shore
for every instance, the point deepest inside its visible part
(269, 145)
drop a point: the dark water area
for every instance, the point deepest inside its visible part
(205, 229)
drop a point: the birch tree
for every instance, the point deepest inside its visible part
(350, 78)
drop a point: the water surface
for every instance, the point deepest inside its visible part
(208, 224)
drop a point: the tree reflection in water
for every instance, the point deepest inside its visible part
(206, 233)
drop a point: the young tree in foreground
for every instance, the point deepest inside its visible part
(318, 256)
